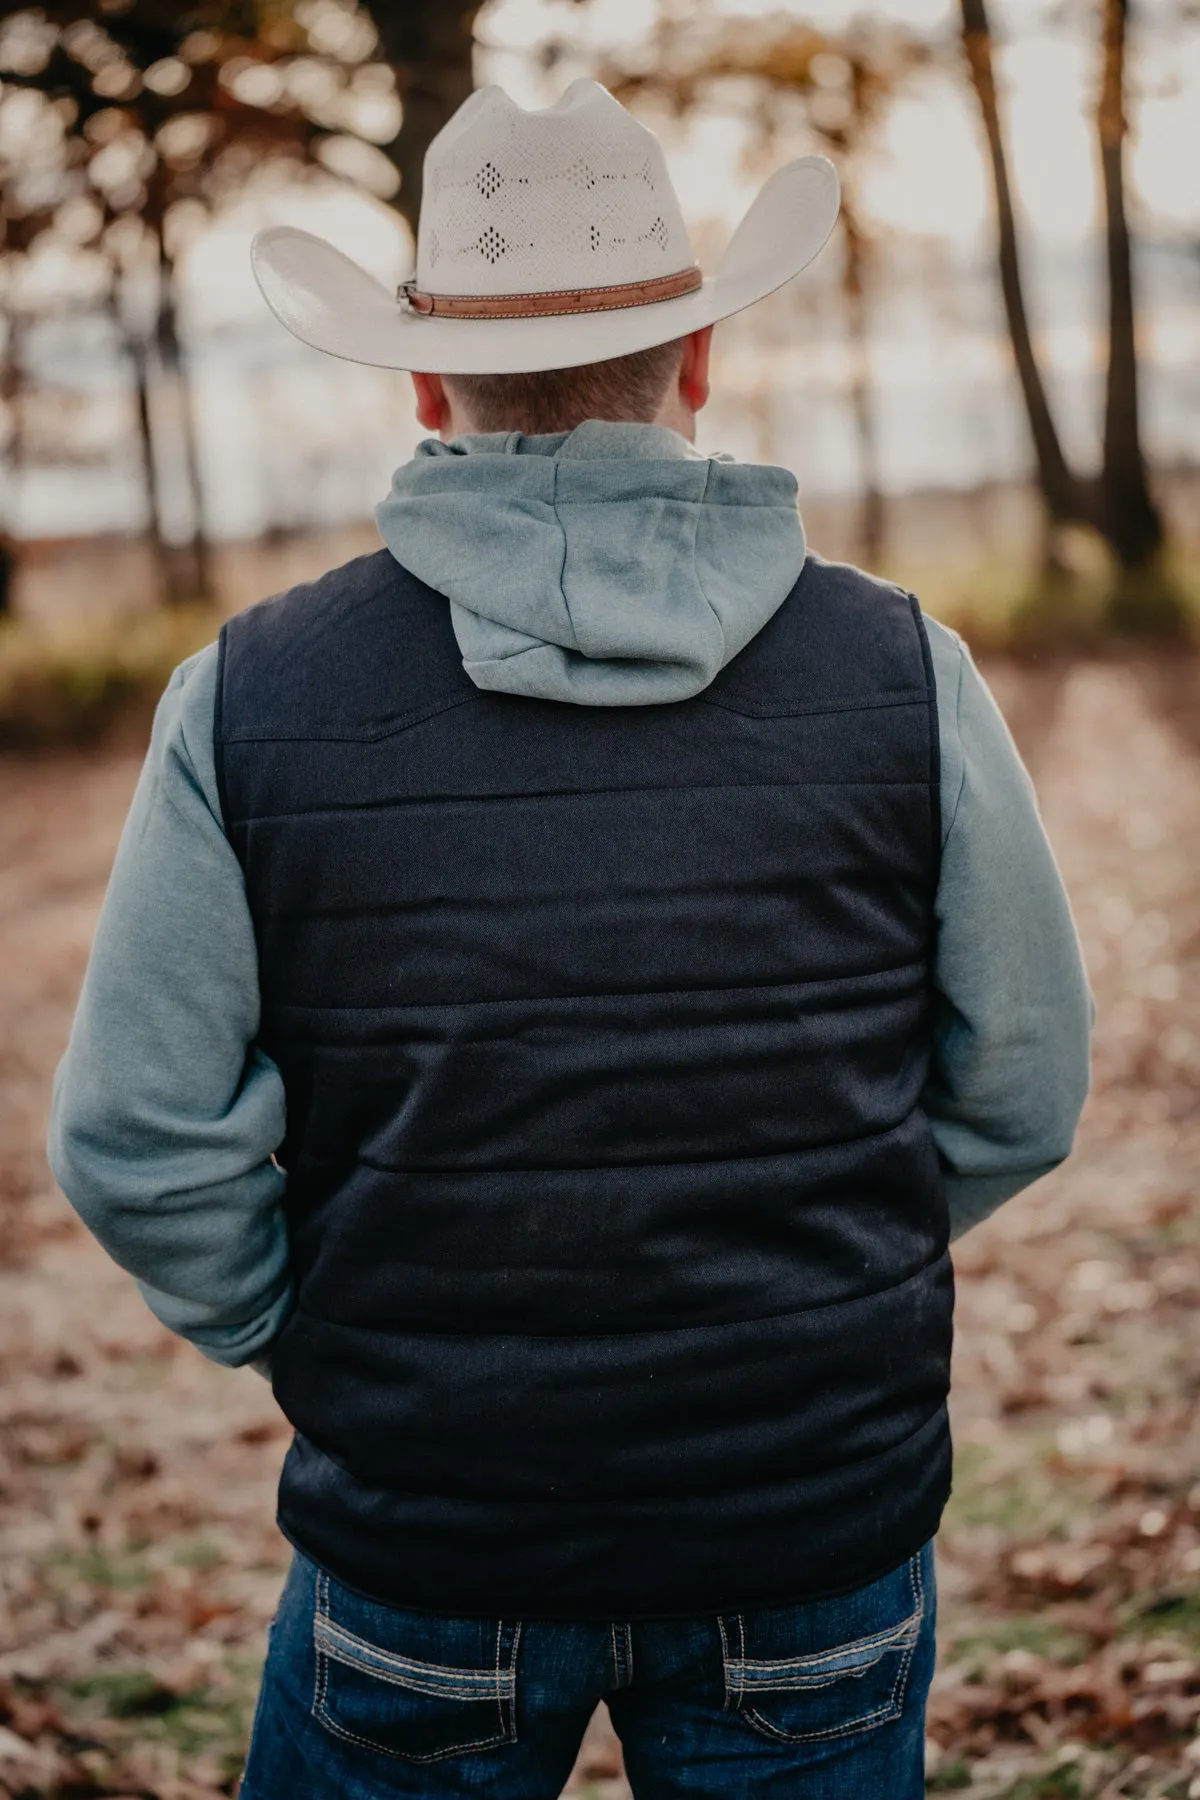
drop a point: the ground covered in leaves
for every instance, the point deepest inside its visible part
(138, 1558)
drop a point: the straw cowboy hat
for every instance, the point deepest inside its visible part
(546, 239)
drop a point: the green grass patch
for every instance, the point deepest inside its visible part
(124, 1570)
(951, 1778)
(1179, 1232)
(1021, 1499)
(1040, 1634)
(1063, 1783)
(72, 685)
(123, 1693)
(1164, 1615)
(211, 1721)
(203, 1555)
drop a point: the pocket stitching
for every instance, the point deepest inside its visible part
(506, 1735)
(725, 1662)
(510, 1689)
(898, 1637)
(347, 1648)
(891, 1708)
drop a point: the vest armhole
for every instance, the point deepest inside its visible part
(218, 727)
(935, 736)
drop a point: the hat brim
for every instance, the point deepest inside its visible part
(328, 301)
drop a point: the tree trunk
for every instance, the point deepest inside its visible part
(137, 351)
(1064, 494)
(430, 44)
(174, 364)
(11, 377)
(167, 567)
(1130, 520)
(871, 519)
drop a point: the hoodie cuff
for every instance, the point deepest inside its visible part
(973, 1198)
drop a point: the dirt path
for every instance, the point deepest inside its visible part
(138, 1558)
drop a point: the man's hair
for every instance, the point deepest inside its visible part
(624, 387)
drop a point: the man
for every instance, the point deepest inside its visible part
(563, 979)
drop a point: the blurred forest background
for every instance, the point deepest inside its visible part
(989, 387)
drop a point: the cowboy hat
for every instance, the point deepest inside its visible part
(546, 239)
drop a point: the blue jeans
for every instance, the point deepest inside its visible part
(825, 1700)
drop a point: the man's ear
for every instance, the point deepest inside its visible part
(433, 407)
(693, 369)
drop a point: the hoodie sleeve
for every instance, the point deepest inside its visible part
(165, 1114)
(1013, 1009)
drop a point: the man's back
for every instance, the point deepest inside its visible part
(604, 1033)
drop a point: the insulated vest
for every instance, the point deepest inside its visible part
(618, 1232)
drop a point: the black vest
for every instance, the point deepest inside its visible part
(617, 1227)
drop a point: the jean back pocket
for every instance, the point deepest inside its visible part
(409, 1685)
(828, 1668)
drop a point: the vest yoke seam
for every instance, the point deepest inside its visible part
(725, 701)
(403, 722)
(766, 709)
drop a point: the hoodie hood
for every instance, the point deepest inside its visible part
(611, 565)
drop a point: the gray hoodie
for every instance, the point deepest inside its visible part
(618, 566)
(611, 565)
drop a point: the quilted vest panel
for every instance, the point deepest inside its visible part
(617, 1225)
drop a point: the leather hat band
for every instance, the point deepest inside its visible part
(543, 306)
